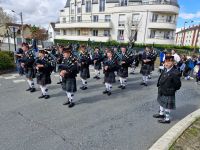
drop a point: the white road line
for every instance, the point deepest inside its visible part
(19, 81)
(10, 77)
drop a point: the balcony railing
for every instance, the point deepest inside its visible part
(87, 21)
(152, 2)
(163, 21)
(161, 37)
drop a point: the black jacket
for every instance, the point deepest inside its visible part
(169, 82)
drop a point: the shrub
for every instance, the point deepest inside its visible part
(6, 60)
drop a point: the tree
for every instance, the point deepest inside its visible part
(4, 17)
(132, 28)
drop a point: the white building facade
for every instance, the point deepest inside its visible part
(189, 36)
(52, 32)
(142, 21)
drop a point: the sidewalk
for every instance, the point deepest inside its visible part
(190, 139)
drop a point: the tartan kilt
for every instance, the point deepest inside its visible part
(123, 72)
(97, 66)
(152, 67)
(145, 69)
(30, 73)
(69, 84)
(84, 73)
(44, 79)
(167, 102)
(109, 77)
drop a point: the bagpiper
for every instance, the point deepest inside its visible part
(146, 65)
(68, 72)
(27, 63)
(168, 83)
(43, 73)
(124, 63)
(84, 63)
(59, 60)
(110, 66)
(97, 59)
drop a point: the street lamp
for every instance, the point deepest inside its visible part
(184, 31)
(14, 29)
(21, 18)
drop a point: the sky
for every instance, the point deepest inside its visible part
(41, 12)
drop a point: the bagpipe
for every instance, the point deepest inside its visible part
(67, 65)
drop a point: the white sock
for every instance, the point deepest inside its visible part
(121, 80)
(29, 83)
(70, 97)
(84, 82)
(161, 111)
(44, 89)
(167, 114)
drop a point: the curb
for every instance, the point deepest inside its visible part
(166, 141)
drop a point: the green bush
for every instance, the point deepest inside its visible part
(6, 60)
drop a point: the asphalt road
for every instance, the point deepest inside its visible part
(122, 121)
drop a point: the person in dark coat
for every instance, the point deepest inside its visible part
(153, 54)
(110, 66)
(168, 83)
(68, 73)
(27, 63)
(43, 73)
(146, 65)
(124, 63)
(97, 59)
(84, 62)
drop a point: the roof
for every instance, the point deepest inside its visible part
(189, 29)
(53, 24)
(67, 4)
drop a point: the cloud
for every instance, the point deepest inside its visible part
(38, 12)
(190, 15)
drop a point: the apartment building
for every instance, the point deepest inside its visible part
(142, 21)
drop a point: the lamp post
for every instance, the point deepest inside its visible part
(22, 30)
(184, 31)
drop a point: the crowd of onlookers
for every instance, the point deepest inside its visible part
(189, 66)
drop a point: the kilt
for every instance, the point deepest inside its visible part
(97, 66)
(109, 77)
(167, 102)
(30, 73)
(43, 79)
(84, 73)
(69, 84)
(152, 67)
(145, 69)
(123, 72)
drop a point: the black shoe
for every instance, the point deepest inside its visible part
(46, 97)
(149, 78)
(145, 84)
(42, 96)
(132, 73)
(109, 93)
(66, 103)
(158, 116)
(120, 86)
(95, 77)
(28, 89)
(71, 105)
(142, 83)
(32, 90)
(163, 121)
(123, 87)
(105, 92)
(83, 88)
(98, 78)
(59, 82)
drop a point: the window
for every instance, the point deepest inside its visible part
(83, 2)
(135, 19)
(95, 18)
(64, 32)
(121, 34)
(78, 32)
(152, 34)
(106, 32)
(72, 11)
(79, 10)
(88, 7)
(72, 19)
(169, 19)
(155, 18)
(167, 35)
(101, 5)
(64, 20)
(79, 19)
(123, 2)
(95, 33)
(121, 20)
(107, 18)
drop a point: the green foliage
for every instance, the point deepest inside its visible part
(6, 60)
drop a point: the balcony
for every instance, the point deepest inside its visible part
(160, 40)
(83, 38)
(85, 24)
(162, 24)
(151, 2)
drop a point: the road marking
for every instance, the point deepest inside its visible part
(19, 81)
(10, 77)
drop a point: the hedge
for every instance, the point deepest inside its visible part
(6, 60)
(115, 43)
